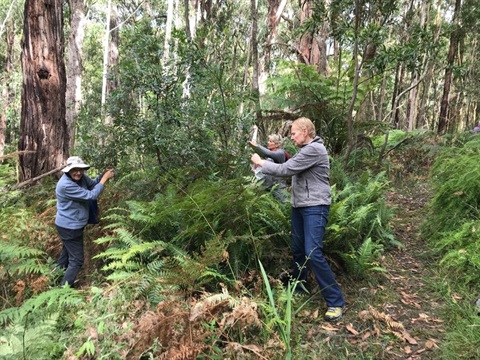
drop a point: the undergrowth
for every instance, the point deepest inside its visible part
(452, 227)
(190, 248)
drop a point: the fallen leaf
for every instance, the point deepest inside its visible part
(351, 329)
(409, 338)
(329, 327)
(364, 314)
(407, 349)
(456, 297)
(366, 335)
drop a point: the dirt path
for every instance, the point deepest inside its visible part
(410, 271)
(396, 315)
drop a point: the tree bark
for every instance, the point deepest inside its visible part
(74, 66)
(429, 72)
(5, 101)
(454, 40)
(112, 80)
(309, 48)
(275, 10)
(255, 74)
(43, 128)
(350, 134)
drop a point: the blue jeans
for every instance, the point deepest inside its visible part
(71, 258)
(308, 228)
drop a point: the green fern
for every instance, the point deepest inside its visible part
(359, 211)
(363, 260)
(38, 341)
(21, 260)
(41, 304)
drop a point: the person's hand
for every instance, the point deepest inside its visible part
(107, 175)
(110, 173)
(252, 143)
(257, 160)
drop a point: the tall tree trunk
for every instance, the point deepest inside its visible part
(275, 10)
(311, 50)
(350, 134)
(110, 57)
(112, 61)
(43, 128)
(429, 72)
(254, 45)
(106, 48)
(412, 103)
(5, 100)
(168, 33)
(381, 98)
(74, 67)
(186, 16)
(454, 41)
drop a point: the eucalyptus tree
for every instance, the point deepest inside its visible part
(44, 135)
(470, 49)
(158, 122)
(455, 39)
(73, 99)
(312, 46)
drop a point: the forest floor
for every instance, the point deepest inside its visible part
(396, 316)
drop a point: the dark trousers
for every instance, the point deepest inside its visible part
(71, 258)
(308, 228)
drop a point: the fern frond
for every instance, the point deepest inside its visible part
(22, 260)
(38, 304)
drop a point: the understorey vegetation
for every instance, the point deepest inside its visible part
(182, 269)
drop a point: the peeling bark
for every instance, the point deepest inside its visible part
(43, 126)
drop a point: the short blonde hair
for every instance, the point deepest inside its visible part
(304, 123)
(276, 139)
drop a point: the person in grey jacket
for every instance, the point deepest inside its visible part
(311, 199)
(74, 190)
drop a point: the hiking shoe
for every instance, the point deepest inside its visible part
(333, 313)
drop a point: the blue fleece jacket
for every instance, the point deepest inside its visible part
(73, 198)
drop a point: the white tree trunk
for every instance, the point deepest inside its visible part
(105, 54)
(168, 32)
(74, 67)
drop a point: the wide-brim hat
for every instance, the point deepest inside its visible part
(74, 162)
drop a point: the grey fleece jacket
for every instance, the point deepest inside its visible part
(310, 172)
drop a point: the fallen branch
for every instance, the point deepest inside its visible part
(397, 145)
(32, 180)
(15, 154)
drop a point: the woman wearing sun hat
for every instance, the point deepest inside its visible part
(74, 191)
